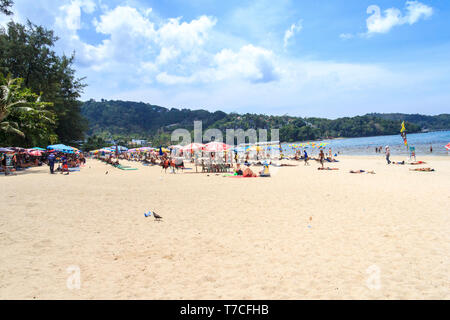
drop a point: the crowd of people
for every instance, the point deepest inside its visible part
(14, 160)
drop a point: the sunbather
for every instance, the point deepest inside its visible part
(362, 171)
(417, 162)
(327, 168)
(422, 169)
(248, 172)
(238, 170)
(265, 171)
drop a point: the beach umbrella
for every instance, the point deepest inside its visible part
(216, 147)
(120, 148)
(6, 150)
(36, 153)
(37, 148)
(255, 148)
(60, 148)
(193, 147)
(448, 147)
(240, 149)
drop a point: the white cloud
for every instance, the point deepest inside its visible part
(291, 31)
(346, 36)
(379, 23)
(174, 37)
(72, 13)
(250, 63)
(125, 20)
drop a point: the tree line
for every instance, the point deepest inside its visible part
(40, 93)
(124, 120)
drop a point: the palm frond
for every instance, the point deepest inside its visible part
(11, 127)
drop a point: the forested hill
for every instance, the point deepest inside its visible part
(439, 122)
(126, 119)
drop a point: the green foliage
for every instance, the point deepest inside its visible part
(5, 5)
(438, 122)
(94, 143)
(24, 119)
(27, 53)
(127, 120)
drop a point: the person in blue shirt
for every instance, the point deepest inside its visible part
(51, 162)
(305, 154)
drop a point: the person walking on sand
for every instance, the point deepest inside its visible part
(51, 162)
(321, 157)
(388, 154)
(305, 154)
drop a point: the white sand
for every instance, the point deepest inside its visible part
(225, 238)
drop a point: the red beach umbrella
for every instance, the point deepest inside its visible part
(193, 146)
(216, 147)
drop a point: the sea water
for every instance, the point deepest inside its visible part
(367, 145)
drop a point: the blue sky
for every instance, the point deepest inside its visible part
(305, 58)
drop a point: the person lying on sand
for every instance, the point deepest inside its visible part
(422, 169)
(238, 170)
(248, 172)
(398, 162)
(417, 162)
(362, 171)
(327, 168)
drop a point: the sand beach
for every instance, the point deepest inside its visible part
(300, 234)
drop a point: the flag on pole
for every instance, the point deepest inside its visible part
(403, 134)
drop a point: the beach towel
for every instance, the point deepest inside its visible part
(240, 177)
(125, 167)
(417, 162)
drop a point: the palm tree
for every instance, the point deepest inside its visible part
(14, 98)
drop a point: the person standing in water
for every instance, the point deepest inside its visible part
(431, 148)
(388, 154)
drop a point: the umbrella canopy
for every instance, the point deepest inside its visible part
(6, 150)
(120, 148)
(448, 146)
(256, 148)
(216, 147)
(146, 149)
(33, 152)
(240, 149)
(193, 147)
(37, 148)
(61, 148)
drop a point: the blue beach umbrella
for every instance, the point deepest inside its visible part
(60, 148)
